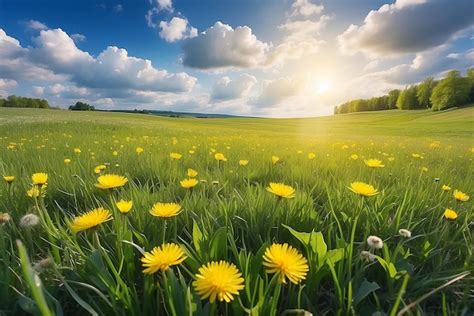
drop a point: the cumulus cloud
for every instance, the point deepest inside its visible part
(176, 29)
(55, 52)
(157, 7)
(5, 85)
(221, 46)
(279, 90)
(306, 8)
(229, 89)
(78, 37)
(407, 26)
(36, 25)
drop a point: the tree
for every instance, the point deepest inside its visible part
(470, 78)
(392, 98)
(407, 99)
(452, 91)
(423, 92)
(81, 106)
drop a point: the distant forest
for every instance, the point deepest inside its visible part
(451, 91)
(14, 101)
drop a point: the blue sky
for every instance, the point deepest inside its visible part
(280, 58)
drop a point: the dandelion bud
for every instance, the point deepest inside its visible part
(29, 220)
(405, 233)
(4, 217)
(375, 242)
(367, 256)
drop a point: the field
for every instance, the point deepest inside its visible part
(51, 262)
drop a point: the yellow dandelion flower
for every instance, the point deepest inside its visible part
(445, 188)
(162, 258)
(90, 219)
(175, 156)
(243, 162)
(165, 209)
(139, 150)
(9, 179)
(36, 191)
(311, 156)
(424, 169)
(192, 173)
(100, 168)
(460, 196)
(115, 153)
(77, 150)
(275, 159)
(124, 206)
(189, 183)
(287, 262)
(67, 161)
(218, 280)
(281, 190)
(110, 181)
(374, 163)
(354, 157)
(363, 189)
(450, 214)
(220, 157)
(39, 178)
(191, 152)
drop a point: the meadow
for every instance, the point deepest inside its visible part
(355, 214)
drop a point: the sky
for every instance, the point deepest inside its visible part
(272, 58)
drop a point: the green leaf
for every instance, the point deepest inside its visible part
(365, 289)
(219, 244)
(314, 241)
(197, 237)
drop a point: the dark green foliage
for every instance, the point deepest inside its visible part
(407, 99)
(14, 101)
(392, 99)
(81, 106)
(424, 91)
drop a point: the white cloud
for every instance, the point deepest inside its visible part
(118, 8)
(407, 26)
(78, 37)
(5, 85)
(165, 5)
(229, 89)
(221, 46)
(176, 29)
(278, 90)
(36, 25)
(306, 8)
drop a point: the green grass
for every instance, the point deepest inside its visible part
(98, 271)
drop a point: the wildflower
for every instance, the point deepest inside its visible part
(67, 161)
(29, 220)
(175, 156)
(285, 261)
(36, 191)
(191, 152)
(77, 150)
(281, 190)
(110, 181)
(445, 188)
(39, 178)
(9, 179)
(90, 219)
(139, 150)
(100, 168)
(243, 162)
(391, 158)
(275, 160)
(363, 189)
(450, 214)
(417, 156)
(115, 153)
(165, 209)
(460, 196)
(218, 280)
(424, 169)
(220, 157)
(124, 206)
(162, 258)
(375, 242)
(374, 163)
(192, 173)
(311, 156)
(4, 217)
(405, 233)
(367, 256)
(354, 157)
(189, 183)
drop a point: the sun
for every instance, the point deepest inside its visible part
(322, 87)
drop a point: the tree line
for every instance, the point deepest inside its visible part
(14, 101)
(453, 90)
